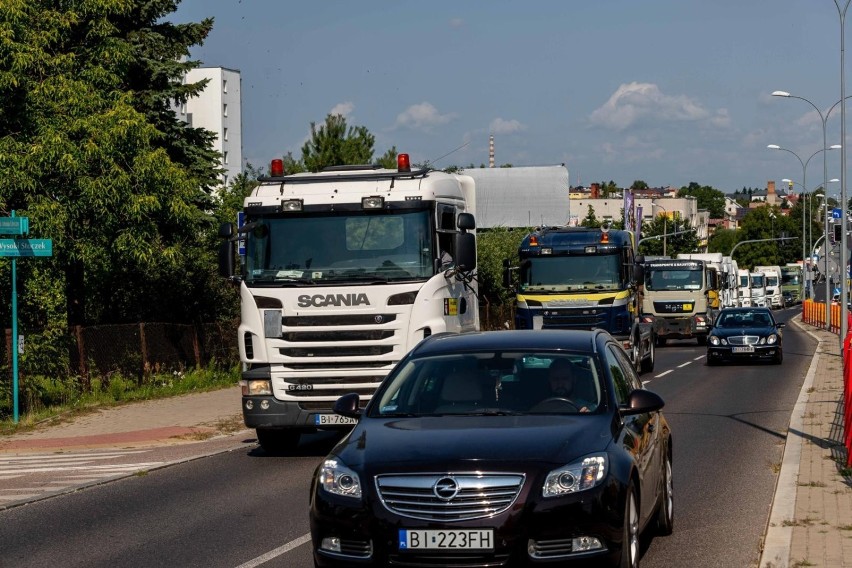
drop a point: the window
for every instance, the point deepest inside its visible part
(225, 157)
(224, 85)
(225, 134)
(225, 109)
(619, 380)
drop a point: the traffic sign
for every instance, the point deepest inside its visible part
(26, 247)
(14, 225)
(836, 212)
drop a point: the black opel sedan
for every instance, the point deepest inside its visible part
(745, 334)
(502, 448)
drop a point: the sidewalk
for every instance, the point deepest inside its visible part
(183, 419)
(811, 519)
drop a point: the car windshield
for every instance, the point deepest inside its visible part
(491, 383)
(745, 318)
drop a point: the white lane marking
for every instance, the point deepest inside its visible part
(276, 552)
(87, 468)
(699, 358)
(685, 364)
(645, 383)
(663, 374)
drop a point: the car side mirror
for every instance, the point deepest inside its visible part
(641, 401)
(348, 405)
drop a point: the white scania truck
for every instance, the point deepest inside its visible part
(344, 271)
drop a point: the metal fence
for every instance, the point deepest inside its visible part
(130, 349)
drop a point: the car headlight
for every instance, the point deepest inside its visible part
(338, 479)
(578, 476)
(771, 339)
(714, 340)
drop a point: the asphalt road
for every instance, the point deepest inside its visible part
(243, 508)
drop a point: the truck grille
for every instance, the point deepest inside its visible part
(452, 497)
(585, 318)
(351, 335)
(351, 351)
(318, 321)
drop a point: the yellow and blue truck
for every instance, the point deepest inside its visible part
(583, 278)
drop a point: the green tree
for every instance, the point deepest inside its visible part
(335, 144)
(388, 159)
(639, 184)
(666, 241)
(708, 198)
(590, 220)
(85, 161)
(723, 240)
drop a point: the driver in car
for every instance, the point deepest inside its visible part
(561, 377)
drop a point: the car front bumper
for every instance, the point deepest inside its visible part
(529, 533)
(726, 353)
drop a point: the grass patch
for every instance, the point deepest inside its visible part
(54, 401)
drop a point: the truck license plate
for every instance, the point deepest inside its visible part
(451, 539)
(332, 420)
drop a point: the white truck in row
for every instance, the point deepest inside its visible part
(344, 271)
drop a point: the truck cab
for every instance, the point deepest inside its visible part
(758, 289)
(343, 272)
(744, 289)
(774, 295)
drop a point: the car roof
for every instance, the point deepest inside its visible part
(747, 310)
(515, 340)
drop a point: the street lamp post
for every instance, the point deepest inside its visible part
(844, 253)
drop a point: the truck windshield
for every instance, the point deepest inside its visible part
(674, 279)
(344, 247)
(757, 281)
(744, 283)
(790, 278)
(571, 273)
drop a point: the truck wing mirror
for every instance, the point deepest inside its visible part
(226, 230)
(465, 251)
(507, 273)
(466, 222)
(226, 258)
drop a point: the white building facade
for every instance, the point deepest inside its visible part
(218, 108)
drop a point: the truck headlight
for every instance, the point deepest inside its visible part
(578, 476)
(256, 387)
(338, 479)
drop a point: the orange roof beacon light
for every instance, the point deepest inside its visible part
(276, 168)
(403, 164)
(533, 241)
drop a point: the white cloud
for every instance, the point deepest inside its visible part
(344, 109)
(503, 126)
(423, 116)
(633, 102)
(456, 22)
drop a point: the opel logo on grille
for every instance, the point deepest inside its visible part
(445, 488)
(378, 319)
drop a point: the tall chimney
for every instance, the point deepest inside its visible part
(491, 151)
(770, 192)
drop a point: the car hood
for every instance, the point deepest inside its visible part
(447, 441)
(729, 331)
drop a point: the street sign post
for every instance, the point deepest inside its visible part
(16, 248)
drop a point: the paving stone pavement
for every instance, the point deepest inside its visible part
(811, 519)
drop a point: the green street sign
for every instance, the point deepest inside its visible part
(14, 225)
(26, 247)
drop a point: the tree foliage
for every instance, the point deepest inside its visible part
(708, 198)
(666, 241)
(333, 144)
(92, 157)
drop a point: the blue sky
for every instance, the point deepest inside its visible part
(665, 91)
